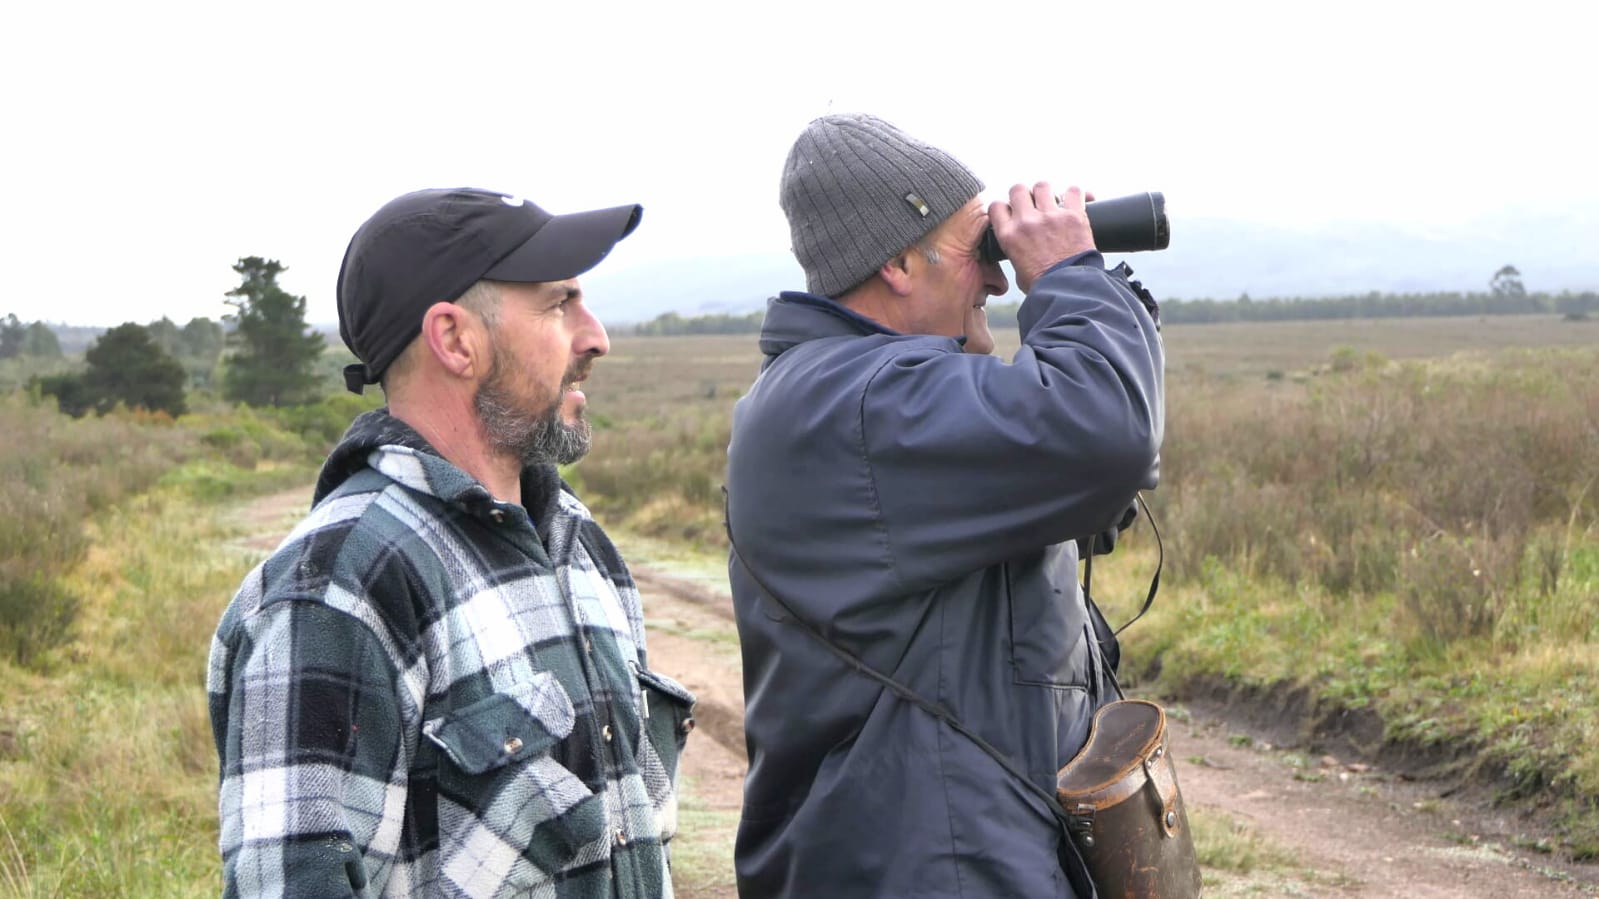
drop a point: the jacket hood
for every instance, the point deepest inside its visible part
(368, 432)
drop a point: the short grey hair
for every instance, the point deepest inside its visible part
(482, 299)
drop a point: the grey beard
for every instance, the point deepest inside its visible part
(534, 438)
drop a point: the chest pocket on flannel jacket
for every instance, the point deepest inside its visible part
(668, 707)
(1046, 623)
(498, 784)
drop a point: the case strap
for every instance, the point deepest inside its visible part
(1154, 582)
(1162, 776)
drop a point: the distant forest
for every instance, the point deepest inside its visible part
(1506, 299)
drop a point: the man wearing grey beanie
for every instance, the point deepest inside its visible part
(905, 511)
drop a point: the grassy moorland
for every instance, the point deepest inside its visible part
(114, 566)
(1415, 541)
(1397, 518)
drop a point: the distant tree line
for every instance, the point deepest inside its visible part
(265, 351)
(1506, 298)
(35, 340)
(671, 324)
(1573, 306)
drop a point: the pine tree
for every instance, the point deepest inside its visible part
(40, 342)
(202, 341)
(166, 335)
(36, 339)
(12, 334)
(275, 350)
(126, 365)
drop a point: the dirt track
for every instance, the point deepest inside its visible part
(1350, 830)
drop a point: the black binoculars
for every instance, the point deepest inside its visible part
(1127, 224)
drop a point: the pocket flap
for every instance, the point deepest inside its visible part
(663, 684)
(519, 722)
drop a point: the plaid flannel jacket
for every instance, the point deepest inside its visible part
(424, 693)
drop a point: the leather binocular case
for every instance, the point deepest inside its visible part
(1124, 810)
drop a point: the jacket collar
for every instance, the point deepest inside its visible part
(380, 441)
(793, 317)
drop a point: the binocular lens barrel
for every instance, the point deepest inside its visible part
(1129, 224)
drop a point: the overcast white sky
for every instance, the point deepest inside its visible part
(147, 146)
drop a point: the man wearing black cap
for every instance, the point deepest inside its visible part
(901, 501)
(437, 685)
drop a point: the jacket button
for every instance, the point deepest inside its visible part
(498, 515)
(512, 745)
(621, 838)
(687, 725)
(606, 733)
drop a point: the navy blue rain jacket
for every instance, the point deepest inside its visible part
(919, 505)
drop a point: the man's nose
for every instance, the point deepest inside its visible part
(591, 339)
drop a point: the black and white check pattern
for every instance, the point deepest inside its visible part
(421, 693)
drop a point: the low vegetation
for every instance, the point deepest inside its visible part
(107, 771)
(1418, 541)
(1399, 520)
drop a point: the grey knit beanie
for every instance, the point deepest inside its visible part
(857, 191)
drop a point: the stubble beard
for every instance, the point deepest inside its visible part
(536, 436)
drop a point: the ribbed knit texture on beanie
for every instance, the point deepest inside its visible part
(857, 191)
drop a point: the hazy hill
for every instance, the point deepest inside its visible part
(1208, 258)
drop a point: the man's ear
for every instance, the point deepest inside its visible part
(896, 273)
(455, 339)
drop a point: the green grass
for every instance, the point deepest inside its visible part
(108, 775)
(702, 853)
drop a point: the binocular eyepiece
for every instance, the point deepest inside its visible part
(1127, 224)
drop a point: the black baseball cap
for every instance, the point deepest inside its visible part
(429, 246)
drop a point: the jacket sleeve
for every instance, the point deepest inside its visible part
(975, 460)
(309, 717)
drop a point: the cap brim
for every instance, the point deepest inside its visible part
(567, 245)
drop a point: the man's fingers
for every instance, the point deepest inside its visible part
(1039, 228)
(999, 213)
(1021, 199)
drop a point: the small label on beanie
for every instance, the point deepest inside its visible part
(919, 204)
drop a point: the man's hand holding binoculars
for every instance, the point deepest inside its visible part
(1038, 229)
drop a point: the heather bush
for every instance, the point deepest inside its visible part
(62, 472)
(1429, 478)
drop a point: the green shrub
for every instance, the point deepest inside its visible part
(62, 472)
(322, 423)
(36, 616)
